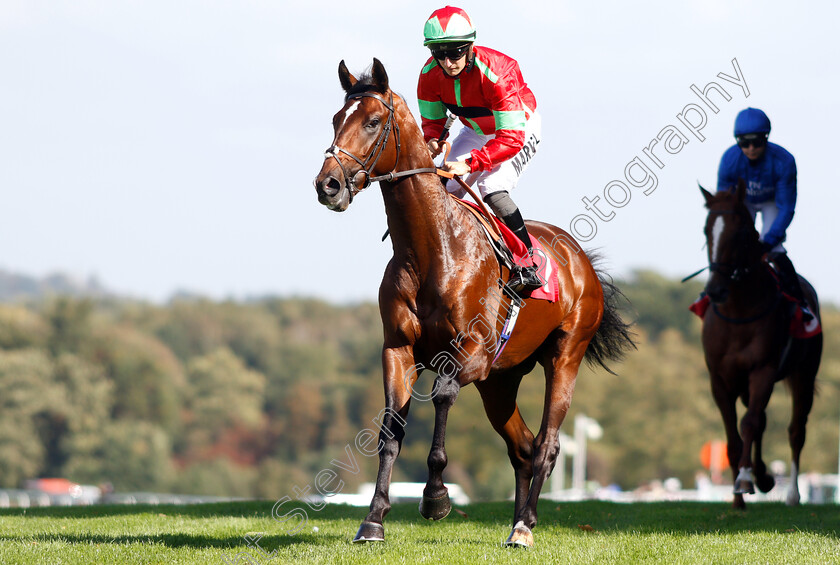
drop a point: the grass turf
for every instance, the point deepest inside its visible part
(574, 533)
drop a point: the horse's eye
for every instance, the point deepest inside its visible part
(374, 123)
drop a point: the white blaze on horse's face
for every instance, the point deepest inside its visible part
(349, 112)
(717, 231)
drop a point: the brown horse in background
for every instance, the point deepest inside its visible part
(441, 305)
(748, 346)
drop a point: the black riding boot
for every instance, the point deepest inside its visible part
(789, 279)
(787, 274)
(523, 278)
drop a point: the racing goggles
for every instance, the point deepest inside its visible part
(755, 139)
(449, 52)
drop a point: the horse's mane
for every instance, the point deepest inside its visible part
(365, 83)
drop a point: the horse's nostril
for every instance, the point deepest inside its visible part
(330, 186)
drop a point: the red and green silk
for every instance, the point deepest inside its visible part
(491, 97)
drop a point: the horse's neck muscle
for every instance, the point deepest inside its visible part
(419, 216)
(754, 292)
(422, 217)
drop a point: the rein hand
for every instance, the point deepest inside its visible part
(457, 167)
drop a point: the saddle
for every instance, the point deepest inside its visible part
(494, 236)
(798, 328)
(510, 252)
(801, 327)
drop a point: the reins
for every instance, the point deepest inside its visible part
(377, 150)
(692, 275)
(468, 188)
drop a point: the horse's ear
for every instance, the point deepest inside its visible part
(706, 194)
(380, 77)
(347, 80)
(741, 190)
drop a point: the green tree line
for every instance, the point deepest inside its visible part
(255, 398)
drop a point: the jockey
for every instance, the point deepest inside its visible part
(770, 173)
(501, 132)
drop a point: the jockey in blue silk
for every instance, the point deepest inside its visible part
(770, 173)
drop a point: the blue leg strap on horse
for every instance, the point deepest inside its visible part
(510, 322)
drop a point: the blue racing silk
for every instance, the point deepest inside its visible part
(773, 177)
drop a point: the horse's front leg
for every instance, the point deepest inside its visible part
(435, 504)
(763, 480)
(400, 374)
(726, 401)
(752, 428)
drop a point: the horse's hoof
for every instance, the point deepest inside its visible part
(792, 497)
(435, 508)
(744, 487)
(520, 536)
(370, 531)
(765, 483)
(744, 482)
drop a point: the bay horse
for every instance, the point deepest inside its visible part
(748, 346)
(440, 304)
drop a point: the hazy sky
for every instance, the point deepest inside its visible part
(172, 145)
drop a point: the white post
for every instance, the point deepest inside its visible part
(579, 461)
(558, 476)
(585, 427)
(837, 484)
(561, 476)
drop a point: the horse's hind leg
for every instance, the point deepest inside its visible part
(435, 504)
(498, 393)
(802, 391)
(561, 364)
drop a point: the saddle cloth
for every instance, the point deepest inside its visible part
(798, 329)
(547, 268)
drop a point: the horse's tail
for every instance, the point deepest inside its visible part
(810, 296)
(614, 336)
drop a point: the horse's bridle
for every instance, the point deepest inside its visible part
(375, 152)
(733, 272)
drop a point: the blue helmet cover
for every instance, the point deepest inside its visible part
(751, 120)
